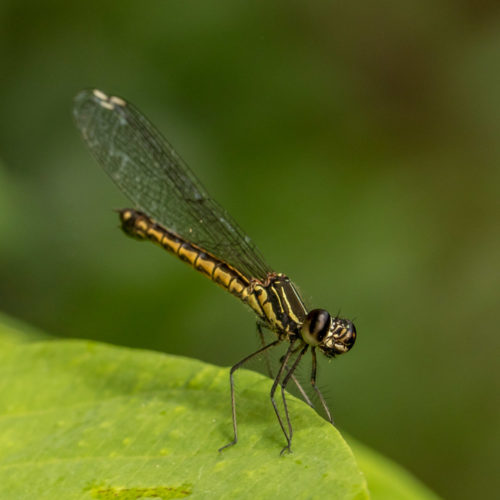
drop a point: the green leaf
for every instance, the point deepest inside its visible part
(13, 332)
(87, 420)
(387, 480)
(84, 420)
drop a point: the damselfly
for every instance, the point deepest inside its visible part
(172, 209)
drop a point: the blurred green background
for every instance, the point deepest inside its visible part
(357, 144)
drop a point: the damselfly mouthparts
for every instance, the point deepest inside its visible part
(173, 210)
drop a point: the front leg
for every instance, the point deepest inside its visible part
(316, 388)
(305, 397)
(260, 327)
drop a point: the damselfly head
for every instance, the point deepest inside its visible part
(332, 336)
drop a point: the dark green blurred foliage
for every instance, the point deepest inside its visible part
(358, 144)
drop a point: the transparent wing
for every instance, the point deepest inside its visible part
(148, 171)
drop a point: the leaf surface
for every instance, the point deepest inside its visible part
(85, 420)
(81, 419)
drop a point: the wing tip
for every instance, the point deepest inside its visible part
(100, 98)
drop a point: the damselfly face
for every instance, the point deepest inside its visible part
(332, 336)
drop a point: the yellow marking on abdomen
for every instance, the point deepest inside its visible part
(205, 265)
(141, 226)
(236, 287)
(222, 276)
(155, 234)
(170, 244)
(251, 300)
(187, 253)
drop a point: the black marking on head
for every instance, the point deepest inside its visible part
(340, 339)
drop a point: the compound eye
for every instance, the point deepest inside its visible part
(316, 326)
